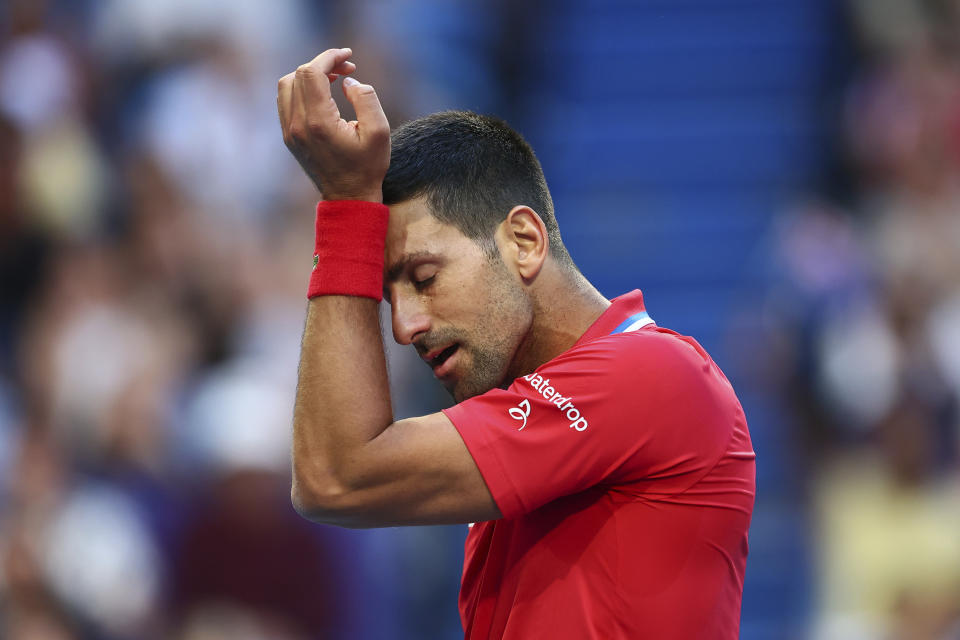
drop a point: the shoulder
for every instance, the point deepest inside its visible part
(653, 355)
(666, 377)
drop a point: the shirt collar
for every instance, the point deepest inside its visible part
(625, 313)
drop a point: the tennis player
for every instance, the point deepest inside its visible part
(604, 461)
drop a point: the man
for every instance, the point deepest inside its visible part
(605, 461)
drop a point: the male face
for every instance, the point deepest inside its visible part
(464, 311)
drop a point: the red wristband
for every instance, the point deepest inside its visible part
(348, 255)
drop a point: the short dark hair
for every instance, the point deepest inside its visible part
(472, 169)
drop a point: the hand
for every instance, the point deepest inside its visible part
(346, 160)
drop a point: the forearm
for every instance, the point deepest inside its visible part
(343, 401)
(352, 465)
(343, 398)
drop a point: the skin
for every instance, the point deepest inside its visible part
(443, 289)
(509, 313)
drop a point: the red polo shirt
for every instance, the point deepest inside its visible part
(625, 474)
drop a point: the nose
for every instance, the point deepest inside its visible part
(409, 317)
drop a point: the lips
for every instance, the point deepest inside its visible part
(440, 360)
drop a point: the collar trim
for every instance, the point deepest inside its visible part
(625, 313)
(634, 322)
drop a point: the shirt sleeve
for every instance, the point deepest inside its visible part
(642, 408)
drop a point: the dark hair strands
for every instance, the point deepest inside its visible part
(472, 169)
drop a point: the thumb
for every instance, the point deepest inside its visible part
(370, 116)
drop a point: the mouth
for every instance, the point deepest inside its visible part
(442, 361)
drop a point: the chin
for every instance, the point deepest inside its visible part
(459, 393)
(462, 390)
(475, 376)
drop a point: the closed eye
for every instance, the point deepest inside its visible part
(426, 282)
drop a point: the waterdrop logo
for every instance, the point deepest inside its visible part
(577, 420)
(521, 412)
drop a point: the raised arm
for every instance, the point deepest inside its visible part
(352, 464)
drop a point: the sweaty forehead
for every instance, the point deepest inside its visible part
(413, 230)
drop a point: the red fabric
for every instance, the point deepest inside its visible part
(348, 254)
(627, 518)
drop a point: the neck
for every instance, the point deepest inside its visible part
(565, 304)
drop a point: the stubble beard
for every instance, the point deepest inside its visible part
(492, 344)
(486, 371)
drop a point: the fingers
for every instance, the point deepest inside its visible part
(316, 75)
(313, 104)
(343, 69)
(307, 108)
(344, 159)
(372, 121)
(329, 60)
(285, 86)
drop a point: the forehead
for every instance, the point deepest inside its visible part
(413, 230)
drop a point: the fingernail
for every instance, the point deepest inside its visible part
(349, 81)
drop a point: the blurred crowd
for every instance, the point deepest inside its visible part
(154, 243)
(154, 250)
(865, 334)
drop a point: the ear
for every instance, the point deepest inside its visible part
(524, 241)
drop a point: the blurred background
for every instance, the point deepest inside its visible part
(780, 177)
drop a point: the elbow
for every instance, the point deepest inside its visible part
(315, 501)
(316, 490)
(305, 503)
(325, 502)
